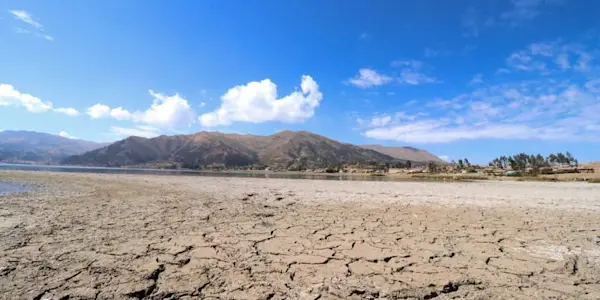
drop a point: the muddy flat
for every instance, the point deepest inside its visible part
(108, 236)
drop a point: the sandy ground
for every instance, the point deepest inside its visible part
(101, 236)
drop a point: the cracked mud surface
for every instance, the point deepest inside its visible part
(100, 236)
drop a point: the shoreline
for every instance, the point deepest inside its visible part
(585, 177)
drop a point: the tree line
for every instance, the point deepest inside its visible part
(523, 161)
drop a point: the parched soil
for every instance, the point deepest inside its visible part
(101, 236)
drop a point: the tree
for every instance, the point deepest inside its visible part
(408, 164)
(460, 164)
(570, 158)
(504, 161)
(432, 167)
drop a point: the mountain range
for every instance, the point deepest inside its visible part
(291, 150)
(31, 146)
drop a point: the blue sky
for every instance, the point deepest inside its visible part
(472, 79)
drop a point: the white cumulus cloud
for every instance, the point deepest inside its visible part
(69, 111)
(98, 111)
(120, 114)
(165, 112)
(9, 96)
(258, 102)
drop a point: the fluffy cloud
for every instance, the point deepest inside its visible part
(143, 131)
(368, 78)
(257, 102)
(69, 111)
(98, 111)
(66, 135)
(165, 112)
(9, 96)
(120, 114)
(546, 109)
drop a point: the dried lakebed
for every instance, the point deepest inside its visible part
(107, 236)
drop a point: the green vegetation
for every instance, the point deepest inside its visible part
(522, 161)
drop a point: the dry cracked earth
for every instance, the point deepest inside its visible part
(101, 236)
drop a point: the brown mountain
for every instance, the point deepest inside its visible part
(406, 153)
(286, 149)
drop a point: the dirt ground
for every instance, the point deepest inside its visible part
(102, 236)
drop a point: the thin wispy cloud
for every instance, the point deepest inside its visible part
(27, 18)
(36, 28)
(413, 72)
(477, 79)
(367, 78)
(430, 52)
(543, 109)
(553, 57)
(365, 37)
(516, 13)
(407, 72)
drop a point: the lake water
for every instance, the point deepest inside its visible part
(255, 174)
(7, 187)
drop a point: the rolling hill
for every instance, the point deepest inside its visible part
(37, 147)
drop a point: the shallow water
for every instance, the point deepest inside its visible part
(7, 187)
(255, 174)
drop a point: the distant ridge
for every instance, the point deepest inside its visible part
(406, 153)
(295, 150)
(39, 147)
